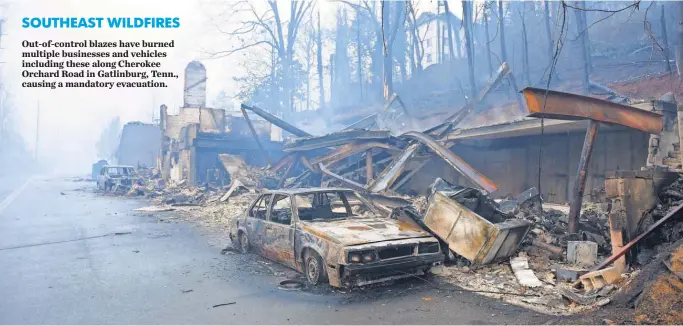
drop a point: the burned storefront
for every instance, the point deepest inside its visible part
(193, 138)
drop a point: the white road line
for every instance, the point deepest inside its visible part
(7, 201)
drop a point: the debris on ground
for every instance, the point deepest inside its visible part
(525, 277)
(518, 248)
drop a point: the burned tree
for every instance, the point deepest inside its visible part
(548, 32)
(525, 46)
(451, 53)
(271, 30)
(392, 17)
(583, 48)
(488, 37)
(467, 23)
(319, 59)
(417, 42)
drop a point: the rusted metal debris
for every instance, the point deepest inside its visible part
(543, 103)
(551, 104)
(475, 237)
(616, 255)
(389, 175)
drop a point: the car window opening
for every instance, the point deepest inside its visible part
(281, 211)
(330, 206)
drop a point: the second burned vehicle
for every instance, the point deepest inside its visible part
(334, 235)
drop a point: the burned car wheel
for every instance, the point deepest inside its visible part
(315, 270)
(244, 242)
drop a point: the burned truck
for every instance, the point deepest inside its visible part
(334, 235)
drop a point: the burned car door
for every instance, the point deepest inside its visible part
(255, 222)
(278, 242)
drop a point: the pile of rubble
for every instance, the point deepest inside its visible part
(549, 258)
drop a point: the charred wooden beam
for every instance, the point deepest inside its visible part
(347, 150)
(287, 159)
(368, 166)
(256, 138)
(455, 161)
(289, 170)
(581, 174)
(334, 139)
(350, 183)
(387, 177)
(277, 121)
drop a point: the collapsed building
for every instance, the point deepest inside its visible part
(479, 179)
(193, 139)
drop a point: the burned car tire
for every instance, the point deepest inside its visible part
(314, 268)
(243, 242)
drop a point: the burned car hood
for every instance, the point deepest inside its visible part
(357, 231)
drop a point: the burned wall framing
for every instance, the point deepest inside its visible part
(513, 162)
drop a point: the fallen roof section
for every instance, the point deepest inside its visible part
(455, 161)
(334, 139)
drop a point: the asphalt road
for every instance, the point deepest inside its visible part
(68, 255)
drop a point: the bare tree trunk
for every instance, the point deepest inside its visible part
(411, 57)
(388, 53)
(451, 53)
(359, 51)
(584, 59)
(488, 40)
(587, 40)
(665, 40)
(679, 46)
(400, 45)
(504, 56)
(548, 32)
(439, 37)
(458, 43)
(525, 47)
(501, 19)
(466, 5)
(417, 43)
(319, 55)
(333, 80)
(394, 11)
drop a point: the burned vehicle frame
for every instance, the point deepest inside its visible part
(115, 178)
(335, 235)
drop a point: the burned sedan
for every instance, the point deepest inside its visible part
(334, 235)
(116, 178)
